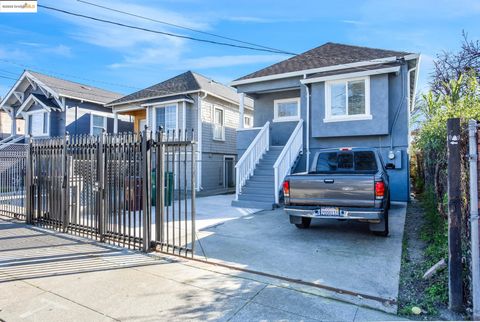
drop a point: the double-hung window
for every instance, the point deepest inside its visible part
(347, 100)
(166, 117)
(99, 124)
(286, 110)
(218, 124)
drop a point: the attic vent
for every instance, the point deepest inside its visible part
(86, 87)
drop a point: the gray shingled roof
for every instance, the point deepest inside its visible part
(329, 54)
(186, 82)
(76, 90)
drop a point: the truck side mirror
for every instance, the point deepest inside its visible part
(390, 166)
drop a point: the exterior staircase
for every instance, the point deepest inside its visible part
(258, 192)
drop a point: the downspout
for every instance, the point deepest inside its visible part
(307, 124)
(201, 96)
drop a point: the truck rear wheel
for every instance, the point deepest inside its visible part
(305, 223)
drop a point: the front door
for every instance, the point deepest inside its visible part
(229, 175)
(142, 123)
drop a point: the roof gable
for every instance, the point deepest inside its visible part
(185, 83)
(329, 54)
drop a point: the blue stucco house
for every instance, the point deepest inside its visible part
(52, 107)
(331, 96)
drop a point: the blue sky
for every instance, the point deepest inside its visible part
(125, 60)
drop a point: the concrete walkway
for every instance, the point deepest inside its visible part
(47, 276)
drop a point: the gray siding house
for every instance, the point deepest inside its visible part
(332, 96)
(52, 107)
(190, 101)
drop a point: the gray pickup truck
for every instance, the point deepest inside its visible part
(345, 184)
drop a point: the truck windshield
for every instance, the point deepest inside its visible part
(346, 162)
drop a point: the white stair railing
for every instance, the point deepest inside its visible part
(247, 163)
(287, 157)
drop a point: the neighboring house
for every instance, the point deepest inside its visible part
(334, 95)
(52, 107)
(6, 125)
(191, 101)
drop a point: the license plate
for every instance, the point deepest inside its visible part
(327, 211)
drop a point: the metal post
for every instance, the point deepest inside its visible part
(454, 216)
(29, 184)
(475, 252)
(63, 194)
(101, 186)
(146, 188)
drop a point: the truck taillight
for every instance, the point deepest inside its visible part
(286, 188)
(379, 189)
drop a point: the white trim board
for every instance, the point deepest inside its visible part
(320, 69)
(395, 69)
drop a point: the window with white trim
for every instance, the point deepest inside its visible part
(38, 123)
(286, 109)
(347, 99)
(166, 117)
(218, 124)
(99, 124)
(247, 121)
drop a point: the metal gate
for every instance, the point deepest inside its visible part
(13, 160)
(131, 190)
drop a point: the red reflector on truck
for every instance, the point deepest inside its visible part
(286, 188)
(379, 189)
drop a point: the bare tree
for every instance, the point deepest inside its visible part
(450, 65)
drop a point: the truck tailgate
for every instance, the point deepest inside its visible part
(352, 190)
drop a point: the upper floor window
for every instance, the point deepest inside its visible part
(286, 109)
(218, 124)
(166, 117)
(99, 124)
(347, 100)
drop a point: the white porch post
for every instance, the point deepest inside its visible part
(115, 123)
(14, 122)
(242, 110)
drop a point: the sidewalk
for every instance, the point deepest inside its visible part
(48, 276)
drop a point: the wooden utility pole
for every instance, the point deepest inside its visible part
(455, 288)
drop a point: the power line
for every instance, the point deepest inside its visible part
(162, 32)
(183, 27)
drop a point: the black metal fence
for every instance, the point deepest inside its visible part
(131, 190)
(12, 180)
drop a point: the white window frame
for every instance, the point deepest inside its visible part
(154, 121)
(27, 123)
(277, 118)
(341, 118)
(104, 122)
(245, 125)
(217, 107)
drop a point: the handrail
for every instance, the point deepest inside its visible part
(287, 157)
(246, 165)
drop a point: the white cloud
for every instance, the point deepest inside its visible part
(60, 50)
(137, 47)
(229, 61)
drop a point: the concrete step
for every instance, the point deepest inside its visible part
(253, 204)
(258, 190)
(259, 184)
(276, 147)
(263, 172)
(255, 197)
(261, 178)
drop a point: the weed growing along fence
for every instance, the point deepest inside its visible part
(429, 152)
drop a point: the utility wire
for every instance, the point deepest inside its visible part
(183, 27)
(162, 32)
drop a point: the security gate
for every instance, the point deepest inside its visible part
(131, 190)
(13, 160)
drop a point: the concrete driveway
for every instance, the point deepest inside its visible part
(342, 255)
